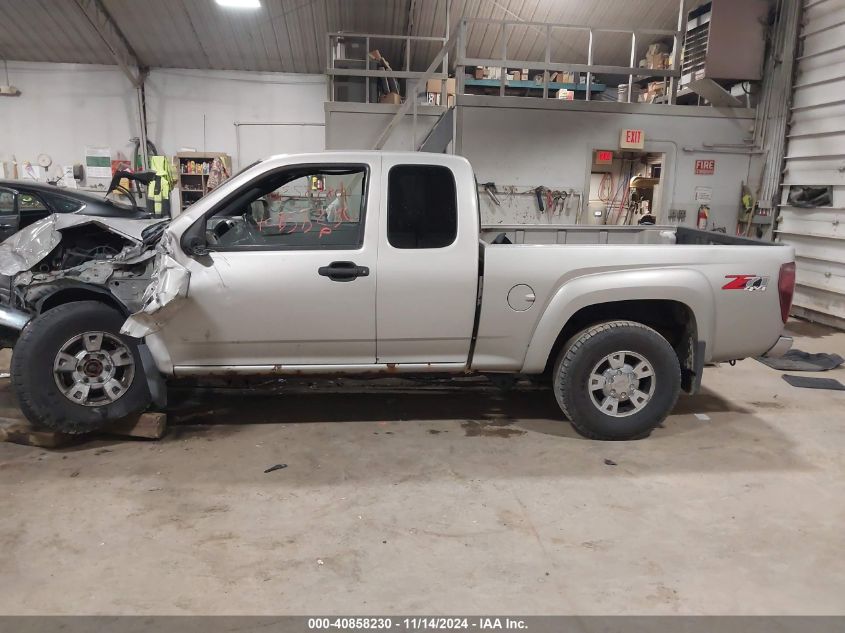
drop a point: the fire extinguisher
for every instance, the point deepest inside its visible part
(703, 212)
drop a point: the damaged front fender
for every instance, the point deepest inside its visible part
(169, 283)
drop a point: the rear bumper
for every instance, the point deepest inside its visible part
(780, 348)
(13, 319)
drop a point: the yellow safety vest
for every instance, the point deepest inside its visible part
(158, 191)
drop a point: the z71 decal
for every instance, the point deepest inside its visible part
(746, 282)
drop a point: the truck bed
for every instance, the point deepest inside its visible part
(563, 269)
(603, 234)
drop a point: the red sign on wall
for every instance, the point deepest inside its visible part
(705, 167)
(604, 157)
(632, 139)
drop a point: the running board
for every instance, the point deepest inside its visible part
(386, 369)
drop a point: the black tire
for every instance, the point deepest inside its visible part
(587, 349)
(40, 398)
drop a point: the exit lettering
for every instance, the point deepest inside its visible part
(632, 139)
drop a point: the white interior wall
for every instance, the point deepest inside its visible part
(358, 125)
(527, 143)
(553, 146)
(198, 109)
(64, 107)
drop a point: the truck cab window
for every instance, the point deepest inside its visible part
(294, 209)
(422, 210)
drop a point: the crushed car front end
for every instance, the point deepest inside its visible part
(69, 257)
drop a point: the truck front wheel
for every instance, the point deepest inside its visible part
(74, 372)
(617, 380)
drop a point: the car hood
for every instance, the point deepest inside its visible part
(27, 247)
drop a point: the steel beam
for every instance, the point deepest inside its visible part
(114, 39)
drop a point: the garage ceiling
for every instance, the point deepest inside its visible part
(289, 35)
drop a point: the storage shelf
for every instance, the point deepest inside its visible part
(192, 185)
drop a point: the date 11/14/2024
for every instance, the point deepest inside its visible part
(419, 623)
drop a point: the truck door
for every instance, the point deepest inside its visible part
(10, 218)
(290, 274)
(427, 262)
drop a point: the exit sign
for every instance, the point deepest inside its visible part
(705, 167)
(604, 157)
(632, 139)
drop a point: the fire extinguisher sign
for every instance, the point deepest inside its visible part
(705, 167)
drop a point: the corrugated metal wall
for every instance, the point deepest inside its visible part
(816, 156)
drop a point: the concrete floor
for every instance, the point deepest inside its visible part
(440, 501)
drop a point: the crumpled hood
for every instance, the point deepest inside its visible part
(27, 247)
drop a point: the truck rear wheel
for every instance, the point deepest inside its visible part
(617, 380)
(74, 372)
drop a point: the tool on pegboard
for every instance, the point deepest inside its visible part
(540, 193)
(490, 188)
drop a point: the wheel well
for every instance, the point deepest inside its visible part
(673, 320)
(76, 293)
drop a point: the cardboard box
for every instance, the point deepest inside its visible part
(515, 75)
(478, 72)
(433, 85)
(659, 60)
(565, 95)
(391, 97)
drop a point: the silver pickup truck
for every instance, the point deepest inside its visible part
(375, 263)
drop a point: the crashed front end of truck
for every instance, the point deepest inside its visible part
(75, 257)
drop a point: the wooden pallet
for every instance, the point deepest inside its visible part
(15, 428)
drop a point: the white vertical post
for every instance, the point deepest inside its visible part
(367, 68)
(444, 92)
(504, 69)
(678, 42)
(460, 69)
(142, 124)
(330, 65)
(589, 63)
(548, 59)
(632, 64)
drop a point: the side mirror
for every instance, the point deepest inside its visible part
(196, 246)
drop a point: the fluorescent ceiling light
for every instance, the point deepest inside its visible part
(240, 4)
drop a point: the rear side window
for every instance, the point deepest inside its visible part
(31, 202)
(64, 205)
(422, 209)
